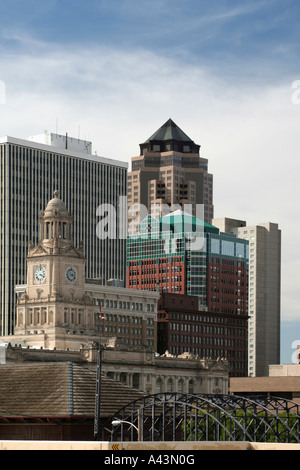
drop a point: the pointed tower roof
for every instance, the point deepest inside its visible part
(169, 137)
(169, 131)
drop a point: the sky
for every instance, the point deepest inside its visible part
(226, 71)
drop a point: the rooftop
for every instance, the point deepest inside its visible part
(169, 137)
(58, 389)
(61, 151)
(169, 131)
(182, 221)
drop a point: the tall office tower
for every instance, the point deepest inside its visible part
(168, 171)
(30, 171)
(181, 254)
(264, 291)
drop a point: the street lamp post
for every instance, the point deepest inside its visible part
(98, 385)
(116, 422)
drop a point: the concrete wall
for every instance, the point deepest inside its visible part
(150, 446)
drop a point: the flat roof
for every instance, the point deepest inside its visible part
(61, 151)
(264, 384)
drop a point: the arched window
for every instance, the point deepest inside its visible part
(159, 385)
(180, 386)
(66, 316)
(170, 386)
(191, 386)
(44, 316)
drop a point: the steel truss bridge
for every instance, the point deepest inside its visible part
(186, 417)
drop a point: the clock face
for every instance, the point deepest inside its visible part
(40, 274)
(71, 274)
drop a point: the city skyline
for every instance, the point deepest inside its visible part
(111, 72)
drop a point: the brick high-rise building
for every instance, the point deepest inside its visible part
(166, 254)
(183, 328)
(180, 254)
(169, 171)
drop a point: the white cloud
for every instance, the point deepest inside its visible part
(249, 133)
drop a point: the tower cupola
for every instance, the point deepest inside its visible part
(56, 222)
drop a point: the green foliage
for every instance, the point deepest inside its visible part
(240, 425)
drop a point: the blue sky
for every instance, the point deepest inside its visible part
(113, 71)
(228, 32)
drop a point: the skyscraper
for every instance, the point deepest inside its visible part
(170, 171)
(30, 171)
(172, 254)
(264, 291)
(180, 254)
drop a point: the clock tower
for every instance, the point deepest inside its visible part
(54, 310)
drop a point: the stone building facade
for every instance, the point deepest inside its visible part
(139, 368)
(61, 316)
(59, 308)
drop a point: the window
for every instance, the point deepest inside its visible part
(180, 386)
(170, 386)
(240, 250)
(215, 245)
(159, 385)
(227, 248)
